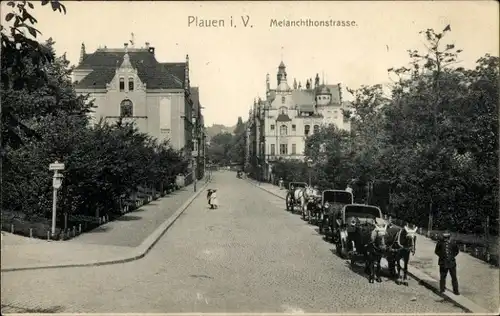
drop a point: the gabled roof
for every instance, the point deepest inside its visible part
(283, 118)
(156, 75)
(177, 69)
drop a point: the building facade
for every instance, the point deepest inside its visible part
(279, 124)
(129, 83)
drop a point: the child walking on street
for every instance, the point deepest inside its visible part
(212, 198)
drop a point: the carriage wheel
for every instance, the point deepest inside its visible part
(353, 259)
(331, 233)
(287, 202)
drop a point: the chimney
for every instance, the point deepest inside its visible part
(147, 45)
(82, 53)
(125, 46)
(151, 50)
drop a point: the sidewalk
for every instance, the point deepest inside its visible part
(128, 238)
(479, 282)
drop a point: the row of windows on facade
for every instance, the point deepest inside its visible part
(284, 129)
(130, 84)
(284, 110)
(321, 97)
(283, 149)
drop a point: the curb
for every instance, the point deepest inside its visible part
(426, 280)
(138, 252)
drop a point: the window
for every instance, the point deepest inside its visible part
(283, 130)
(273, 149)
(283, 149)
(272, 127)
(294, 128)
(130, 84)
(316, 128)
(122, 84)
(294, 149)
(283, 99)
(283, 110)
(307, 129)
(126, 108)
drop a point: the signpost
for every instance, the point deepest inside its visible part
(56, 184)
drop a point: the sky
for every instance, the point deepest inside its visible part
(229, 64)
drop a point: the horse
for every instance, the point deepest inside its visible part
(308, 198)
(403, 244)
(374, 252)
(296, 195)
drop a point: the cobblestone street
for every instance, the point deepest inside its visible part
(249, 255)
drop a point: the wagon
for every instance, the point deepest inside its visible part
(290, 199)
(332, 202)
(355, 224)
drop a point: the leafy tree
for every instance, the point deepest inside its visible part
(238, 147)
(226, 148)
(17, 48)
(434, 141)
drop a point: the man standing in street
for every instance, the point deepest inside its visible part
(447, 250)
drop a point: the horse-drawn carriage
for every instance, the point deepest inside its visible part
(313, 205)
(294, 194)
(332, 202)
(356, 223)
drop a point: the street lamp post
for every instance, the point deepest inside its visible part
(259, 173)
(56, 185)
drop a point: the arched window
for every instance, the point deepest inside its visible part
(283, 99)
(283, 110)
(130, 84)
(126, 108)
(122, 84)
(307, 129)
(316, 128)
(283, 130)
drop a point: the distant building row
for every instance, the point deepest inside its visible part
(129, 83)
(279, 124)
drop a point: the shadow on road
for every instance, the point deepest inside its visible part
(127, 218)
(100, 229)
(137, 210)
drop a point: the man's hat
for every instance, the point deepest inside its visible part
(446, 234)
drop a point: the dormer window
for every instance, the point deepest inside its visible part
(130, 84)
(122, 84)
(283, 110)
